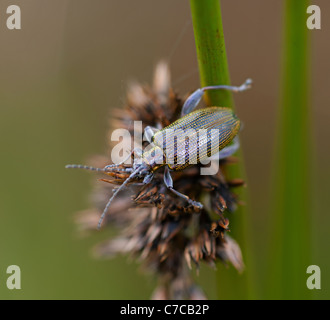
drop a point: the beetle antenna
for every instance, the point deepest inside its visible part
(132, 175)
(79, 166)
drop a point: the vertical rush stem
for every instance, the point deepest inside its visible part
(213, 69)
(211, 50)
(290, 253)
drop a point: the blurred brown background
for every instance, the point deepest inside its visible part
(61, 74)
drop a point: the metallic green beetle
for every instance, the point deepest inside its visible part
(173, 142)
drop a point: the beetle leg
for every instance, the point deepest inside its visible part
(169, 184)
(193, 100)
(228, 150)
(245, 86)
(147, 179)
(149, 133)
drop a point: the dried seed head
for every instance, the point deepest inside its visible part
(159, 229)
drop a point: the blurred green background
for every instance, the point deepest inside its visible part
(61, 74)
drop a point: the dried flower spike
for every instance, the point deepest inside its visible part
(163, 229)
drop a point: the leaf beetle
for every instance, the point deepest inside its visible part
(145, 163)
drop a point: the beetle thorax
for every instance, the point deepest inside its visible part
(154, 158)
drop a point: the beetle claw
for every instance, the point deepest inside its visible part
(196, 204)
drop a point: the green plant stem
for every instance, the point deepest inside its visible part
(213, 69)
(290, 254)
(211, 50)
